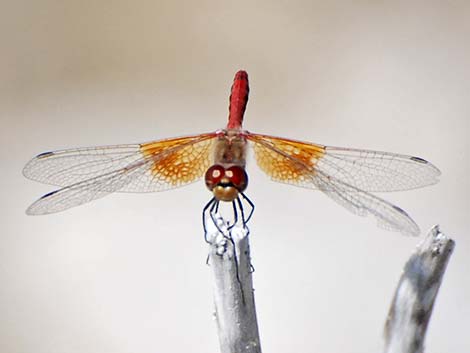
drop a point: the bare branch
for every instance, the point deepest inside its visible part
(414, 298)
(233, 289)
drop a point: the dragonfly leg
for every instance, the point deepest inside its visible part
(252, 207)
(207, 209)
(213, 212)
(218, 238)
(235, 261)
(235, 214)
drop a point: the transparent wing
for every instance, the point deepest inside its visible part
(378, 171)
(66, 167)
(90, 173)
(341, 172)
(85, 191)
(367, 170)
(175, 160)
(362, 203)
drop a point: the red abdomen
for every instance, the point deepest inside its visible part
(238, 100)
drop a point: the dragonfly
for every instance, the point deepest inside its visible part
(349, 176)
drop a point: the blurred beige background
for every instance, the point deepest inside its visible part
(127, 273)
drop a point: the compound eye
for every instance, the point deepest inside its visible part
(213, 176)
(238, 177)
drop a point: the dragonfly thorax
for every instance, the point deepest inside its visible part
(226, 183)
(230, 148)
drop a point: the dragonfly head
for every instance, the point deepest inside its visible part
(226, 183)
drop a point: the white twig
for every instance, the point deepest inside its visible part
(413, 302)
(233, 288)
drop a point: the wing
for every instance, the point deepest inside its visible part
(362, 203)
(90, 173)
(341, 172)
(367, 170)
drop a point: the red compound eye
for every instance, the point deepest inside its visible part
(213, 176)
(237, 177)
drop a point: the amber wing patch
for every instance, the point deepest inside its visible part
(286, 160)
(179, 161)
